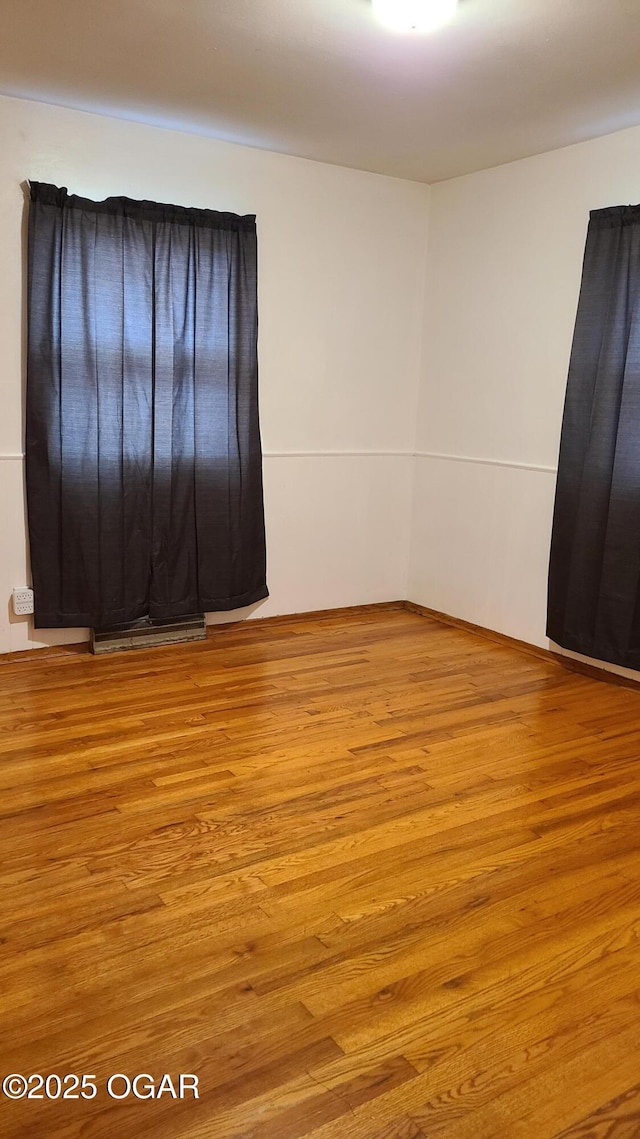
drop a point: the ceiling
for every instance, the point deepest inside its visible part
(320, 79)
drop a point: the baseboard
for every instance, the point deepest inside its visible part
(592, 671)
(47, 652)
(548, 655)
(20, 656)
(308, 615)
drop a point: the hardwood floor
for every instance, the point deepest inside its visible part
(365, 875)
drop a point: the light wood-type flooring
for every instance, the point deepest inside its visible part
(366, 875)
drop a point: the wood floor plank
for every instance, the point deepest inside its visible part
(618, 1118)
(367, 875)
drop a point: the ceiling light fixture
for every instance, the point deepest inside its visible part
(414, 15)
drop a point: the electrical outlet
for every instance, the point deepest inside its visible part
(22, 600)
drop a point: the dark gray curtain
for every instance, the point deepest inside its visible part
(144, 466)
(594, 573)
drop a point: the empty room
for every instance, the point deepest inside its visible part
(320, 460)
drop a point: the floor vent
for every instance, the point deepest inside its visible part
(147, 634)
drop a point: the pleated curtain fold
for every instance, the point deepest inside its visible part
(594, 572)
(143, 455)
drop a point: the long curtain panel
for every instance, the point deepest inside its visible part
(594, 572)
(143, 455)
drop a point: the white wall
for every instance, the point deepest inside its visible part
(347, 355)
(342, 257)
(504, 264)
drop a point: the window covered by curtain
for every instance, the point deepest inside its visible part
(594, 573)
(144, 466)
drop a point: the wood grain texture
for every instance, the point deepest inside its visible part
(368, 876)
(572, 663)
